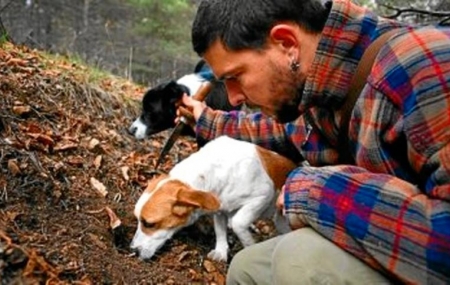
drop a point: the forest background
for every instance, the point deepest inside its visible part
(146, 41)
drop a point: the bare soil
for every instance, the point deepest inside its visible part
(66, 157)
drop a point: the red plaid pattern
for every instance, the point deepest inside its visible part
(392, 209)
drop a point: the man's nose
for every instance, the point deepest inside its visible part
(236, 100)
(235, 96)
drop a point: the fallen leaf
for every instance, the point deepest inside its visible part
(183, 255)
(59, 165)
(21, 110)
(97, 185)
(96, 240)
(93, 143)
(113, 133)
(125, 170)
(156, 144)
(98, 161)
(114, 221)
(219, 278)
(75, 160)
(16, 62)
(28, 70)
(38, 263)
(65, 146)
(209, 266)
(44, 139)
(33, 128)
(193, 275)
(13, 167)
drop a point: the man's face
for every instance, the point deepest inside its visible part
(260, 78)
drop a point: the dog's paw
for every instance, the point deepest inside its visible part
(218, 255)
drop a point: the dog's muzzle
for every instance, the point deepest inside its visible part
(138, 129)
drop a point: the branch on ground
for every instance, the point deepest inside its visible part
(398, 11)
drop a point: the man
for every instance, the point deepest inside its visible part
(384, 215)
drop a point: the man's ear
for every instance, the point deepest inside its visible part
(284, 34)
(199, 199)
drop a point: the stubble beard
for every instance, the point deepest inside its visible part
(291, 95)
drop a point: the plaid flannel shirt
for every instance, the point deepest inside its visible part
(392, 208)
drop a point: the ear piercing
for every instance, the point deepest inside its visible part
(295, 65)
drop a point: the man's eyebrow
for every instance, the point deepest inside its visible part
(227, 73)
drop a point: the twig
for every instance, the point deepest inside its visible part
(399, 11)
(444, 22)
(5, 238)
(6, 6)
(4, 194)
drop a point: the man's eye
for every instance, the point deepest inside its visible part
(147, 225)
(232, 78)
(229, 78)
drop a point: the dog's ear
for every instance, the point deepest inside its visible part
(199, 199)
(175, 91)
(181, 210)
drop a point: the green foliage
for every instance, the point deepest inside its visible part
(166, 26)
(167, 22)
(3, 38)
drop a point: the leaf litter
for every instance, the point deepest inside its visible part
(70, 175)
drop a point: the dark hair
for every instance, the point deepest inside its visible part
(241, 24)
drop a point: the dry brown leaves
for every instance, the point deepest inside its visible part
(65, 157)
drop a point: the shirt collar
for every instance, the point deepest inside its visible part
(347, 32)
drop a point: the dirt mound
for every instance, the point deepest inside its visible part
(65, 157)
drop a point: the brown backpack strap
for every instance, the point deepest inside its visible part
(357, 83)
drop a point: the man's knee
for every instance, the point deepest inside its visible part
(305, 257)
(252, 264)
(238, 269)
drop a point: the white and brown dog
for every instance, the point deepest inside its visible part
(234, 180)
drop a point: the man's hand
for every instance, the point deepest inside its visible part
(194, 106)
(298, 222)
(280, 201)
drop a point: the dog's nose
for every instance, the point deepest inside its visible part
(134, 249)
(132, 130)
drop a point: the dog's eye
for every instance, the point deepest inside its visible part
(147, 224)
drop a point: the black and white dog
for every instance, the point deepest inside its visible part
(159, 103)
